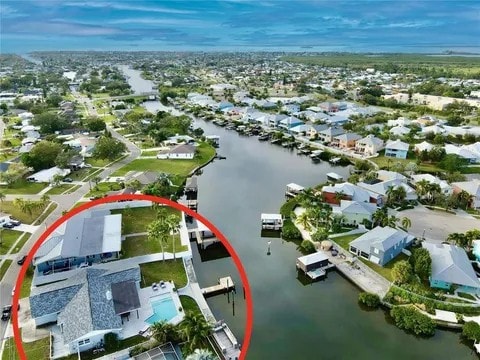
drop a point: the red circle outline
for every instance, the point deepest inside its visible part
(113, 198)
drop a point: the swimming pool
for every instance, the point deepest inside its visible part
(163, 309)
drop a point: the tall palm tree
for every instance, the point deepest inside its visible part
(421, 187)
(406, 222)
(173, 224)
(379, 216)
(463, 198)
(195, 329)
(20, 203)
(44, 200)
(164, 332)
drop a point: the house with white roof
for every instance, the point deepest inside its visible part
(451, 267)
(386, 175)
(472, 188)
(399, 130)
(423, 146)
(369, 145)
(446, 188)
(462, 152)
(396, 149)
(381, 244)
(89, 237)
(355, 212)
(401, 121)
(48, 175)
(179, 152)
(434, 129)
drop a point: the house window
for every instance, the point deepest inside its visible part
(84, 342)
(364, 255)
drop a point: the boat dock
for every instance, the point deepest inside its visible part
(314, 265)
(293, 190)
(224, 285)
(202, 235)
(271, 221)
(222, 336)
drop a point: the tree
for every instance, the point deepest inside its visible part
(406, 222)
(195, 329)
(452, 163)
(42, 155)
(158, 230)
(369, 299)
(380, 216)
(201, 354)
(410, 319)
(163, 332)
(459, 239)
(134, 184)
(401, 272)
(64, 157)
(421, 263)
(108, 148)
(57, 179)
(304, 220)
(2, 199)
(50, 122)
(173, 225)
(96, 124)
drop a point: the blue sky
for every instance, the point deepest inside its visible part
(377, 26)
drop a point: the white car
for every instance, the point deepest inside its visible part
(13, 291)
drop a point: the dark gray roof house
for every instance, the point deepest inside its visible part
(91, 301)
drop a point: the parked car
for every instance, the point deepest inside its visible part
(15, 222)
(68, 180)
(6, 312)
(8, 225)
(22, 260)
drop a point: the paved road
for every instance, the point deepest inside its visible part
(436, 225)
(65, 202)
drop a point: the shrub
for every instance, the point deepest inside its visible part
(307, 246)
(288, 207)
(369, 299)
(471, 331)
(409, 319)
(111, 341)
(290, 231)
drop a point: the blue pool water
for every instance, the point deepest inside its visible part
(163, 309)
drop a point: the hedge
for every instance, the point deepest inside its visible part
(290, 231)
(410, 319)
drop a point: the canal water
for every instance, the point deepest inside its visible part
(291, 320)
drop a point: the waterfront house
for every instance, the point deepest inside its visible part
(301, 129)
(396, 149)
(179, 152)
(472, 188)
(355, 212)
(315, 129)
(381, 189)
(369, 145)
(446, 188)
(313, 265)
(451, 267)
(274, 120)
(333, 194)
(328, 134)
(346, 141)
(89, 237)
(293, 190)
(88, 305)
(381, 244)
(290, 122)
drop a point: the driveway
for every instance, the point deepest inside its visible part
(436, 225)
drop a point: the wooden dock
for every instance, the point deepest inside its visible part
(224, 285)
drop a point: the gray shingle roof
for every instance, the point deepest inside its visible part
(450, 264)
(382, 238)
(82, 301)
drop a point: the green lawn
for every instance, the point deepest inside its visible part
(27, 283)
(385, 271)
(189, 304)
(8, 238)
(81, 174)
(60, 189)
(21, 243)
(42, 217)
(23, 186)
(344, 241)
(164, 270)
(136, 220)
(179, 167)
(122, 344)
(150, 153)
(9, 208)
(103, 187)
(140, 245)
(98, 162)
(35, 350)
(383, 162)
(3, 269)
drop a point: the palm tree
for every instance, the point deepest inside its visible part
(164, 332)
(391, 221)
(201, 354)
(20, 203)
(304, 220)
(173, 223)
(44, 200)
(421, 187)
(158, 231)
(96, 180)
(406, 222)
(195, 329)
(463, 198)
(379, 216)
